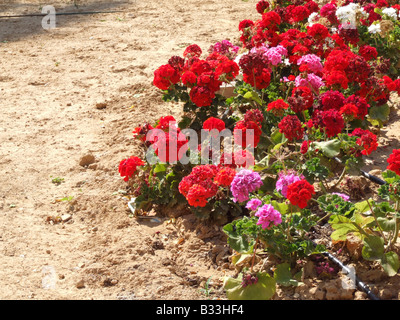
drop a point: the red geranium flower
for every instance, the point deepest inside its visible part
(291, 127)
(192, 51)
(225, 176)
(244, 130)
(301, 99)
(366, 139)
(214, 123)
(165, 76)
(299, 193)
(127, 167)
(394, 161)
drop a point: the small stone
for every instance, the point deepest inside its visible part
(61, 277)
(80, 284)
(101, 105)
(81, 265)
(48, 251)
(296, 295)
(66, 217)
(95, 229)
(87, 160)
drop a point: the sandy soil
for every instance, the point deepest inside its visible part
(70, 98)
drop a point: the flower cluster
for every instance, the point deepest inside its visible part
(268, 216)
(245, 182)
(300, 192)
(127, 167)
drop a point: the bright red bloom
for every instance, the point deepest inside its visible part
(361, 104)
(277, 105)
(197, 196)
(189, 79)
(227, 70)
(199, 67)
(259, 80)
(291, 127)
(318, 31)
(165, 122)
(394, 161)
(368, 53)
(192, 51)
(214, 123)
(199, 185)
(337, 79)
(165, 76)
(270, 20)
(349, 110)
(225, 176)
(247, 133)
(304, 146)
(366, 139)
(301, 99)
(127, 167)
(169, 146)
(299, 193)
(297, 14)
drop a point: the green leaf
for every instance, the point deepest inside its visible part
(379, 113)
(159, 167)
(329, 148)
(264, 289)
(283, 276)
(373, 248)
(390, 263)
(278, 139)
(387, 224)
(252, 95)
(236, 241)
(342, 226)
(362, 207)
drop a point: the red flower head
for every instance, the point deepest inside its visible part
(127, 167)
(192, 51)
(141, 131)
(291, 127)
(164, 123)
(394, 161)
(318, 31)
(361, 104)
(366, 139)
(330, 120)
(368, 53)
(301, 99)
(277, 107)
(225, 176)
(214, 123)
(254, 115)
(197, 196)
(170, 146)
(262, 6)
(270, 20)
(332, 100)
(244, 130)
(349, 111)
(189, 79)
(165, 76)
(299, 193)
(201, 96)
(227, 70)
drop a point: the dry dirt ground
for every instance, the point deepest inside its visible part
(70, 98)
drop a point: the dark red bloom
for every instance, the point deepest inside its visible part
(201, 96)
(291, 127)
(262, 6)
(254, 115)
(301, 99)
(331, 121)
(192, 51)
(367, 52)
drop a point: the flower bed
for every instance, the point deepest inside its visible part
(269, 162)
